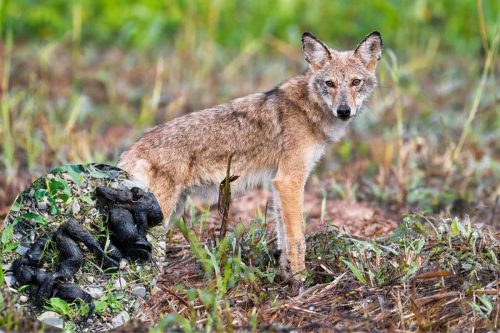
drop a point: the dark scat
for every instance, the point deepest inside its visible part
(130, 214)
(52, 284)
(79, 233)
(25, 268)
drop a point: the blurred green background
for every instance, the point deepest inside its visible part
(153, 24)
(81, 80)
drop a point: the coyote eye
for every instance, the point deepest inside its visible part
(356, 82)
(330, 83)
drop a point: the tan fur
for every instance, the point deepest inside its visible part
(278, 135)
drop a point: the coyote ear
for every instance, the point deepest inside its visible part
(317, 53)
(369, 51)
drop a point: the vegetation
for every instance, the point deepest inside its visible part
(436, 278)
(69, 191)
(80, 80)
(150, 23)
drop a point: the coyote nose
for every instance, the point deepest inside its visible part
(343, 111)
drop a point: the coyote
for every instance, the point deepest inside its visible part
(277, 135)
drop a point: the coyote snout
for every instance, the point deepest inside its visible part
(344, 111)
(278, 135)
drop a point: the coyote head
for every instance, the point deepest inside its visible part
(341, 81)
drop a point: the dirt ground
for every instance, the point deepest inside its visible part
(357, 218)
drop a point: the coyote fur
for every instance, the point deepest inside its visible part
(278, 135)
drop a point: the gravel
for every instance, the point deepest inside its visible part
(75, 207)
(42, 205)
(120, 319)
(95, 291)
(51, 318)
(123, 264)
(22, 249)
(140, 291)
(10, 280)
(120, 283)
(133, 183)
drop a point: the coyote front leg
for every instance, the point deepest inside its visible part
(289, 196)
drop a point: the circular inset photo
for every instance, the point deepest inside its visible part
(80, 248)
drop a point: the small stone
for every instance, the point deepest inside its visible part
(139, 291)
(6, 267)
(53, 225)
(90, 279)
(18, 235)
(162, 245)
(128, 183)
(120, 319)
(42, 205)
(22, 249)
(75, 207)
(51, 318)
(123, 263)
(120, 283)
(10, 279)
(95, 291)
(155, 290)
(149, 238)
(114, 185)
(23, 299)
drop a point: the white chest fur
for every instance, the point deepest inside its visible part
(314, 154)
(336, 131)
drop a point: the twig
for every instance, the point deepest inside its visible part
(327, 286)
(224, 201)
(426, 299)
(179, 298)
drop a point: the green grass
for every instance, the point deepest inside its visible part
(153, 23)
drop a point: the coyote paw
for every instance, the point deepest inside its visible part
(293, 270)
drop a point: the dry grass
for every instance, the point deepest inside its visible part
(422, 278)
